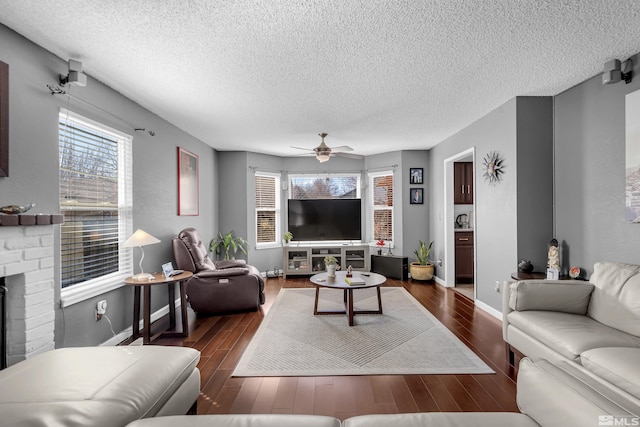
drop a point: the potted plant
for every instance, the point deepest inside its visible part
(380, 245)
(226, 245)
(331, 264)
(287, 236)
(423, 268)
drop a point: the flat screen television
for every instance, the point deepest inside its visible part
(325, 219)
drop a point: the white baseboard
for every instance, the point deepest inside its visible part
(126, 333)
(487, 308)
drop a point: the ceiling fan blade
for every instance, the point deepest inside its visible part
(341, 149)
(300, 148)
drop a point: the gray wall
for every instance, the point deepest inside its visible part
(520, 131)
(33, 166)
(590, 174)
(415, 218)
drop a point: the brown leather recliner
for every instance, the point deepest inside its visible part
(216, 286)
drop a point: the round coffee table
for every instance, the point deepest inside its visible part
(371, 280)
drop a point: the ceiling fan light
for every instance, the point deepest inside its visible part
(322, 157)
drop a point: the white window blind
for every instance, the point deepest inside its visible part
(267, 208)
(331, 186)
(96, 200)
(381, 208)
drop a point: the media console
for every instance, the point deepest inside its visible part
(309, 259)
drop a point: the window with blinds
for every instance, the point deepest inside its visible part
(95, 198)
(381, 208)
(267, 209)
(331, 186)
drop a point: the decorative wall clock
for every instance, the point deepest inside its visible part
(493, 167)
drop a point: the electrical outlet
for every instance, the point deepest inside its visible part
(497, 288)
(101, 309)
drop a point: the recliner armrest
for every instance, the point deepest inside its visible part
(230, 263)
(566, 296)
(227, 272)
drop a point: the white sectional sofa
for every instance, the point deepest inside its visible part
(99, 386)
(548, 395)
(564, 319)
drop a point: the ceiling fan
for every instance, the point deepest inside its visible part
(323, 151)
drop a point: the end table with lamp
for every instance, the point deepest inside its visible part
(159, 279)
(139, 239)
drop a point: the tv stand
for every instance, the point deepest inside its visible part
(301, 259)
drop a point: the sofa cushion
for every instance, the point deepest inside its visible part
(97, 386)
(239, 420)
(564, 394)
(618, 365)
(196, 247)
(442, 419)
(568, 296)
(615, 301)
(569, 334)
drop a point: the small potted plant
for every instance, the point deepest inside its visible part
(287, 236)
(331, 264)
(423, 268)
(380, 245)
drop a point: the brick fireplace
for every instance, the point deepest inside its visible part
(27, 265)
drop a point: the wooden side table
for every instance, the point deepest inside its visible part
(159, 279)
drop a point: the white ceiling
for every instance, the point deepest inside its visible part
(376, 75)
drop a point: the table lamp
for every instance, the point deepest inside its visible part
(139, 239)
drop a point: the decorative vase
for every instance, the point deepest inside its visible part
(525, 266)
(421, 272)
(331, 270)
(379, 251)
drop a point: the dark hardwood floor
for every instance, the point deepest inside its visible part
(222, 339)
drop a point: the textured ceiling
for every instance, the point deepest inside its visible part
(375, 75)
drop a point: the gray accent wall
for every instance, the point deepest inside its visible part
(33, 167)
(590, 174)
(506, 230)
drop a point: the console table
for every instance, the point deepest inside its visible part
(300, 259)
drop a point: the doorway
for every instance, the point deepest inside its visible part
(460, 225)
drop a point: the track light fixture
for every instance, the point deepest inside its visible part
(613, 71)
(75, 75)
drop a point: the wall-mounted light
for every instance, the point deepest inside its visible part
(75, 75)
(615, 71)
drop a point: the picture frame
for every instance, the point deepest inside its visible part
(188, 183)
(416, 196)
(415, 176)
(4, 119)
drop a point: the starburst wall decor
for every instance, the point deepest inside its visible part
(493, 167)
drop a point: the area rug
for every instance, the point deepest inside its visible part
(406, 339)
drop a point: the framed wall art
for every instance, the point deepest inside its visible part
(415, 176)
(4, 119)
(188, 183)
(415, 196)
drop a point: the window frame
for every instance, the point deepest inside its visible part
(278, 211)
(371, 208)
(90, 288)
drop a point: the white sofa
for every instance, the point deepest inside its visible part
(575, 320)
(99, 386)
(548, 395)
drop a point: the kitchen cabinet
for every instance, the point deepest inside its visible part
(463, 183)
(464, 256)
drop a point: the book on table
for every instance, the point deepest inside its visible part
(355, 281)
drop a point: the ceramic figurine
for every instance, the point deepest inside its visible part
(14, 210)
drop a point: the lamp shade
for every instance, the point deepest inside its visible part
(140, 238)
